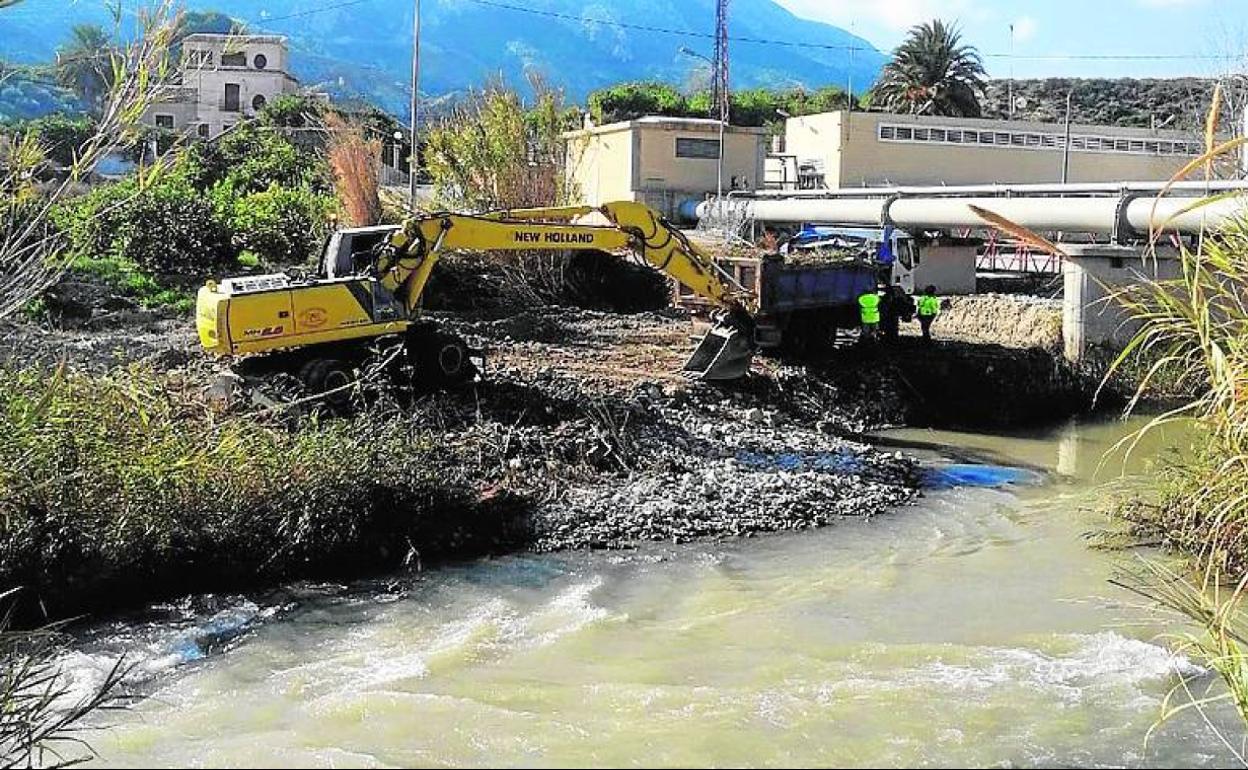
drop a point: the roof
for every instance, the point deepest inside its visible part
(1009, 125)
(664, 122)
(208, 37)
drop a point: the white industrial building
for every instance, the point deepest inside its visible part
(838, 150)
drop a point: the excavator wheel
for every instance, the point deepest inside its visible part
(330, 379)
(442, 360)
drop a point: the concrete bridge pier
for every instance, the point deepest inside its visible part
(1092, 273)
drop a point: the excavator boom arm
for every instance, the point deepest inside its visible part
(406, 267)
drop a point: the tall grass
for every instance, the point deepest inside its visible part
(119, 489)
(1197, 325)
(355, 160)
(39, 712)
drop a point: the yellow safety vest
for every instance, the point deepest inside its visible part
(870, 305)
(929, 306)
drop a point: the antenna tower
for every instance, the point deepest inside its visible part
(720, 100)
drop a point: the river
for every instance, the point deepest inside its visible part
(977, 628)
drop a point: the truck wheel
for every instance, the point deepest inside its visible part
(331, 379)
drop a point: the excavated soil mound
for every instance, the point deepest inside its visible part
(1012, 321)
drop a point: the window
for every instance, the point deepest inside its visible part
(233, 92)
(164, 121)
(202, 130)
(260, 62)
(748, 278)
(1035, 141)
(238, 59)
(198, 59)
(703, 149)
(258, 102)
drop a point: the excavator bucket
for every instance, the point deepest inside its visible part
(724, 354)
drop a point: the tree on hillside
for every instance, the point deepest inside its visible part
(85, 63)
(932, 73)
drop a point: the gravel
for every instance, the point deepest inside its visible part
(582, 414)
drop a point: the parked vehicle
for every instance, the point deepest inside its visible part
(809, 289)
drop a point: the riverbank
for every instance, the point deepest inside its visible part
(582, 435)
(910, 640)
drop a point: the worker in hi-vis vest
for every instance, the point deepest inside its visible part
(929, 308)
(869, 306)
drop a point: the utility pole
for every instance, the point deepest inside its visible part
(849, 91)
(1011, 88)
(415, 156)
(1066, 150)
(723, 98)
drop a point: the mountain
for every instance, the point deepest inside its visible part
(363, 47)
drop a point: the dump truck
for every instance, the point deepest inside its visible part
(809, 289)
(322, 327)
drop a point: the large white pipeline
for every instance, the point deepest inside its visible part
(1094, 215)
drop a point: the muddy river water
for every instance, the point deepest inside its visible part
(977, 628)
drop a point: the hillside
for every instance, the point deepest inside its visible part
(363, 47)
(1121, 102)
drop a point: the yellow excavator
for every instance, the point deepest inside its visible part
(372, 279)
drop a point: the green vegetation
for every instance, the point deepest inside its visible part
(1177, 103)
(59, 135)
(495, 151)
(85, 64)
(932, 73)
(1197, 325)
(124, 487)
(128, 279)
(32, 250)
(754, 107)
(254, 191)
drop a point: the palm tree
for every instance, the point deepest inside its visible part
(85, 64)
(932, 73)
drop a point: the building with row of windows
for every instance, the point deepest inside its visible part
(871, 149)
(223, 79)
(667, 161)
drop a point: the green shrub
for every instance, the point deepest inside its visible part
(757, 107)
(279, 225)
(167, 227)
(630, 101)
(61, 135)
(291, 111)
(172, 228)
(253, 158)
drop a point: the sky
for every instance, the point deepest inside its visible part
(1055, 38)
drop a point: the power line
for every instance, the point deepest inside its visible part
(313, 11)
(836, 47)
